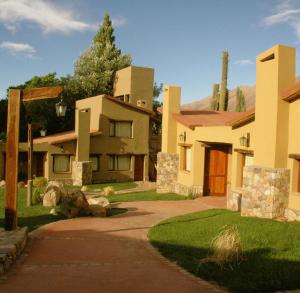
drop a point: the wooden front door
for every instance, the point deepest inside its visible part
(215, 177)
(39, 171)
(139, 168)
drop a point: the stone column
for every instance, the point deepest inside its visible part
(82, 173)
(167, 170)
(265, 192)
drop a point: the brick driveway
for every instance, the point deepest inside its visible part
(106, 254)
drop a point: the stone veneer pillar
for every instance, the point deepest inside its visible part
(265, 192)
(82, 173)
(167, 169)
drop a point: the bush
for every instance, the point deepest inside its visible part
(39, 182)
(36, 195)
(108, 190)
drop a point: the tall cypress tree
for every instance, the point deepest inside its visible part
(240, 105)
(214, 105)
(223, 105)
(95, 69)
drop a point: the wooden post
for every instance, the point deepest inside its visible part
(29, 170)
(12, 155)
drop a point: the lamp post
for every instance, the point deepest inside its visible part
(15, 96)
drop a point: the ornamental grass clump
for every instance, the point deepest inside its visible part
(108, 190)
(226, 247)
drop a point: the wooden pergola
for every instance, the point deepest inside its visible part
(15, 97)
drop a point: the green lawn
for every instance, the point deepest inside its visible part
(97, 187)
(271, 250)
(149, 195)
(32, 217)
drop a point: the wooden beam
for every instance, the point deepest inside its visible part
(12, 154)
(41, 93)
(30, 151)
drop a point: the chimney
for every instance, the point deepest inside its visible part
(275, 71)
(171, 105)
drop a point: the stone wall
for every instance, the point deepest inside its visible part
(234, 199)
(292, 215)
(167, 170)
(82, 173)
(194, 190)
(265, 192)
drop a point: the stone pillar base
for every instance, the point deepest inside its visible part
(265, 192)
(234, 200)
(167, 169)
(82, 173)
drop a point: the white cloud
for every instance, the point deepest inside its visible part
(286, 11)
(47, 15)
(244, 62)
(118, 21)
(18, 48)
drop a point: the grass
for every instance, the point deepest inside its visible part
(97, 187)
(150, 195)
(271, 250)
(35, 216)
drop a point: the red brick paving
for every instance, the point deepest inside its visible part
(106, 254)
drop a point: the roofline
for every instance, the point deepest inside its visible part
(130, 106)
(241, 121)
(291, 94)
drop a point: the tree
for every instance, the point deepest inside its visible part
(156, 121)
(240, 104)
(214, 105)
(223, 104)
(95, 69)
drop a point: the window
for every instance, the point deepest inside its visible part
(120, 128)
(119, 163)
(186, 158)
(247, 160)
(95, 163)
(61, 163)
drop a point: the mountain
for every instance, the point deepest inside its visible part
(204, 104)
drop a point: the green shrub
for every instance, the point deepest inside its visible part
(39, 182)
(36, 195)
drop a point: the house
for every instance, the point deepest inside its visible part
(110, 142)
(252, 157)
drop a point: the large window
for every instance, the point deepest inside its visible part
(120, 128)
(95, 162)
(186, 158)
(119, 162)
(61, 163)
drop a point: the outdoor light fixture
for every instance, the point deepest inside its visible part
(182, 136)
(61, 108)
(245, 140)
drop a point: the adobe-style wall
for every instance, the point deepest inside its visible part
(265, 192)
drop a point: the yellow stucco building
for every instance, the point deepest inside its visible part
(110, 142)
(253, 157)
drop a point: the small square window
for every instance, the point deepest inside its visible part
(61, 163)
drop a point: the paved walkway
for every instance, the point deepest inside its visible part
(106, 254)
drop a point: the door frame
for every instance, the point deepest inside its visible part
(226, 148)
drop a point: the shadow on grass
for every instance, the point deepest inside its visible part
(258, 272)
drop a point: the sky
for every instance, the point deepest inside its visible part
(182, 40)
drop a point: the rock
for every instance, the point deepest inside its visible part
(84, 188)
(53, 212)
(108, 190)
(74, 204)
(97, 210)
(2, 183)
(52, 197)
(102, 201)
(56, 184)
(21, 184)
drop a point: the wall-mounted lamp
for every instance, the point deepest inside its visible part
(61, 108)
(245, 140)
(43, 132)
(182, 136)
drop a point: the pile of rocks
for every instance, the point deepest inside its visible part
(12, 244)
(74, 204)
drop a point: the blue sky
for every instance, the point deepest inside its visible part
(182, 40)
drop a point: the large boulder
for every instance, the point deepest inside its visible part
(98, 210)
(101, 201)
(51, 197)
(74, 204)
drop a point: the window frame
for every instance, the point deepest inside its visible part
(97, 156)
(115, 162)
(68, 171)
(114, 122)
(184, 158)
